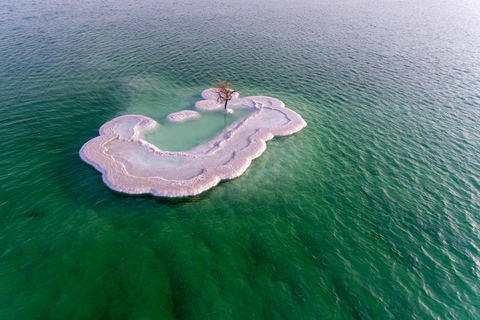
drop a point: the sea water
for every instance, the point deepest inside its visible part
(370, 212)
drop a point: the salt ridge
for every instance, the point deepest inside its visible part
(132, 165)
(183, 115)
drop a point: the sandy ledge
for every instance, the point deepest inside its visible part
(131, 165)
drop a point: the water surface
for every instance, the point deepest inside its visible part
(370, 212)
(185, 135)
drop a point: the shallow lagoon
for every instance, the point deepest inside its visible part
(183, 136)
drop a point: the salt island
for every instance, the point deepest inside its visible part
(130, 164)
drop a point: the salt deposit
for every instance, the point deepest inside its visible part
(132, 165)
(183, 115)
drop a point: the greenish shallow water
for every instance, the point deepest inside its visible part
(370, 212)
(183, 136)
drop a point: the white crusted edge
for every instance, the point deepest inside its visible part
(116, 176)
(183, 115)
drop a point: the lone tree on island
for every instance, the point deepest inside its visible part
(223, 91)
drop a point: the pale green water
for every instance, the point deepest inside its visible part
(371, 212)
(172, 136)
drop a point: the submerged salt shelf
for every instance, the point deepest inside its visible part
(132, 165)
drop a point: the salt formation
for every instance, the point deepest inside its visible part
(132, 165)
(183, 115)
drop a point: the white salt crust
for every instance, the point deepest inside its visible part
(131, 165)
(183, 115)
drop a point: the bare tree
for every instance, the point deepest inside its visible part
(223, 91)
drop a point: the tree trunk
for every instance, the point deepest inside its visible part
(226, 101)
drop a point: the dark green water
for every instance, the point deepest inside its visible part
(371, 212)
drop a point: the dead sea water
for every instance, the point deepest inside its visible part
(370, 212)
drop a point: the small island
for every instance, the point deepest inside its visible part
(132, 165)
